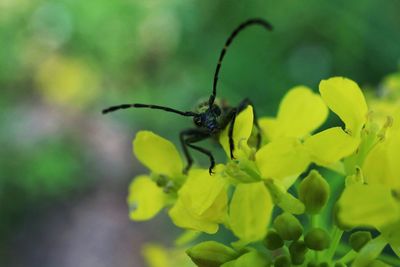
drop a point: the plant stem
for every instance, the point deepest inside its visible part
(348, 257)
(336, 236)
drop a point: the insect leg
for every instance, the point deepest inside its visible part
(206, 152)
(188, 157)
(230, 132)
(193, 135)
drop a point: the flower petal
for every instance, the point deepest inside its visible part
(367, 205)
(241, 133)
(250, 211)
(182, 217)
(330, 146)
(381, 164)
(202, 202)
(282, 158)
(145, 198)
(157, 154)
(301, 112)
(269, 128)
(345, 98)
(200, 192)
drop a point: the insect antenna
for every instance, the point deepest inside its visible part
(255, 21)
(126, 106)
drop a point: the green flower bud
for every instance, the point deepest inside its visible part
(298, 250)
(340, 264)
(314, 192)
(317, 239)
(282, 261)
(288, 226)
(273, 240)
(211, 254)
(359, 239)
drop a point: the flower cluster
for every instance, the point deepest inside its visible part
(274, 199)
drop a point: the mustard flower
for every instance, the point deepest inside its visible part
(374, 200)
(292, 146)
(148, 193)
(198, 200)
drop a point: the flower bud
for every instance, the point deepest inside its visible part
(298, 247)
(282, 261)
(288, 227)
(211, 254)
(359, 239)
(273, 240)
(298, 250)
(314, 192)
(317, 239)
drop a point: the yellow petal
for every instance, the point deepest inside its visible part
(301, 112)
(157, 154)
(250, 211)
(345, 98)
(241, 133)
(202, 202)
(381, 164)
(282, 158)
(201, 191)
(269, 128)
(367, 205)
(331, 145)
(145, 198)
(182, 217)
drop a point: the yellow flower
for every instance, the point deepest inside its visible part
(146, 198)
(376, 203)
(250, 209)
(292, 147)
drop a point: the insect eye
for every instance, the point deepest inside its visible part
(197, 121)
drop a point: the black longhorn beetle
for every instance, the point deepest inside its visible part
(211, 117)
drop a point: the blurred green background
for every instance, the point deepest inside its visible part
(65, 168)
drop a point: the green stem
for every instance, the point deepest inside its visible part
(336, 236)
(348, 257)
(314, 219)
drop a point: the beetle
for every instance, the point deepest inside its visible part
(212, 116)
